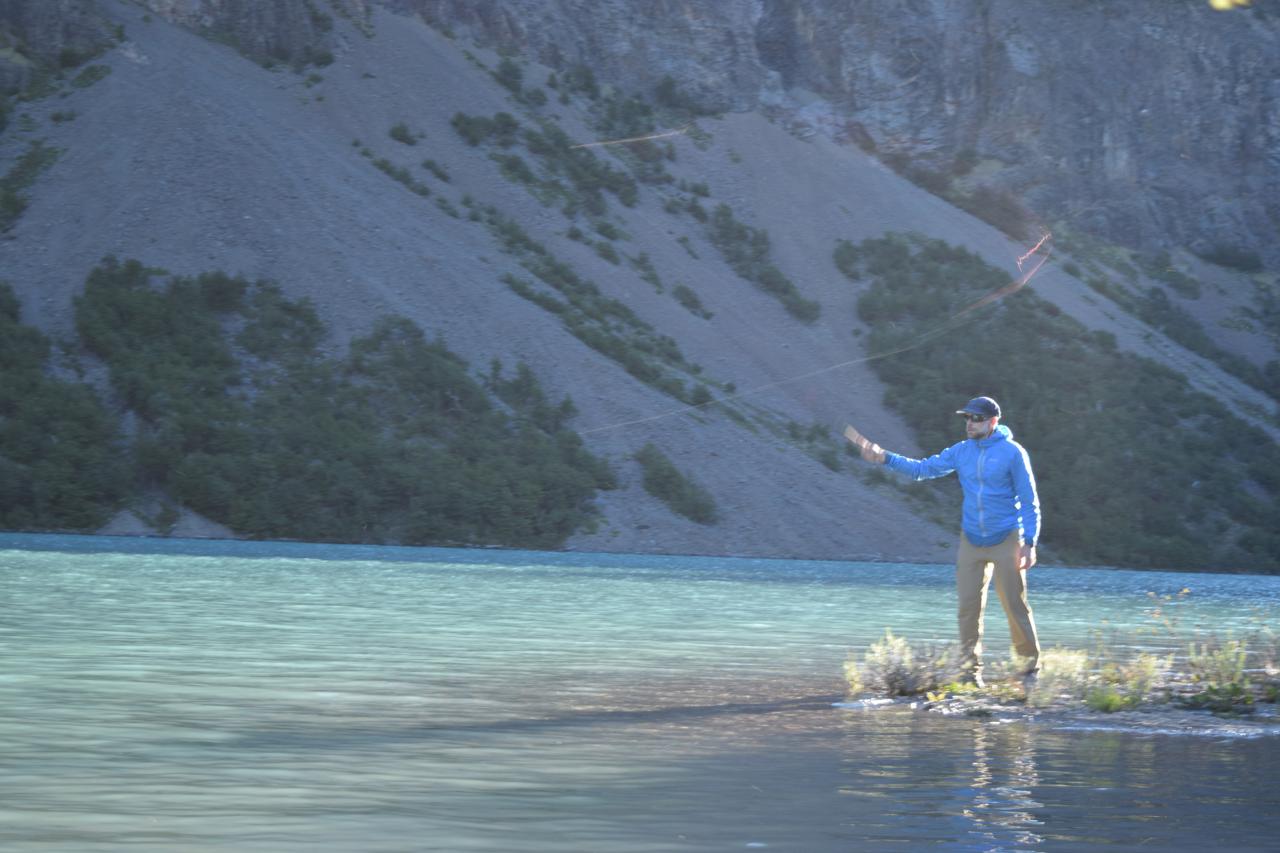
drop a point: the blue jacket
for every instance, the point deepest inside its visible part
(999, 488)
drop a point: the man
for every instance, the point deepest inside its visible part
(1000, 524)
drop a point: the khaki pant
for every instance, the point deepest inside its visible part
(975, 567)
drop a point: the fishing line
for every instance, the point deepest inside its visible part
(955, 321)
(677, 132)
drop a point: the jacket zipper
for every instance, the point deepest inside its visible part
(982, 523)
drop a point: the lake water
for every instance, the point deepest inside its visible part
(187, 696)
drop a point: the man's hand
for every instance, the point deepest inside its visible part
(1026, 557)
(871, 451)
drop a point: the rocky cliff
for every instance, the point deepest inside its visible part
(1154, 122)
(48, 34)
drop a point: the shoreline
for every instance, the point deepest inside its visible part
(1147, 720)
(878, 559)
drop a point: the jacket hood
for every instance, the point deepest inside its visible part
(1000, 433)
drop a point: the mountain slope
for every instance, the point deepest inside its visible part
(189, 157)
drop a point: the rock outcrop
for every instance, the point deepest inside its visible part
(46, 35)
(1153, 122)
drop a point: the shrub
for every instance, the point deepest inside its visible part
(686, 297)
(580, 79)
(263, 433)
(603, 323)
(402, 176)
(62, 454)
(606, 251)
(1231, 257)
(681, 494)
(477, 129)
(514, 168)
(1217, 663)
(400, 133)
(509, 75)
(36, 159)
(91, 75)
(436, 169)
(746, 250)
(1227, 699)
(893, 667)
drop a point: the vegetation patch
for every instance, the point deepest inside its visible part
(687, 297)
(1160, 267)
(995, 206)
(746, 249)
(664, 481)
(61, 450)
(476, 130)
(1106, 680)
(401, 133)
(240, 416)
(1134, 467)
(89, 76)
(601, 322)
(436, 169)
(1243, 260)
(399, 174)
(1153, 306)
(13, 186)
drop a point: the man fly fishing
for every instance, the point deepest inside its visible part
(1000, 525)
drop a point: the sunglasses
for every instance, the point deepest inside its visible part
(976, 419)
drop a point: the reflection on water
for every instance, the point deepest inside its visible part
(236, 696)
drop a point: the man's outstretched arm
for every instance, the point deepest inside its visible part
(938, 465)
(871, 451)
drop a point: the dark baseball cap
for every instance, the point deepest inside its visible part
(984, 406)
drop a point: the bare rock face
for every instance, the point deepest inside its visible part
(49, 34)
(291, 32)
(1153, 122)
(708, 46)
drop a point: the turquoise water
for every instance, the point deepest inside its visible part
(171, 695)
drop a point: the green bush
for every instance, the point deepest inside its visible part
(510, 75)
(400, 133)
(602, 323)
(478, 129)
(62, 456)
(1231, 257)
(580, 79)
(686, 297)
(394, 443)
(514, 168)
(1160, 267)
(91, 75)
(665, 482)
(1155, 308)
(746, 250)
(402, 176)
(894, 667)
(436, 169)
(36, 159)
(606, 251)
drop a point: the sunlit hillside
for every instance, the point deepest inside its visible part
(387, 289)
